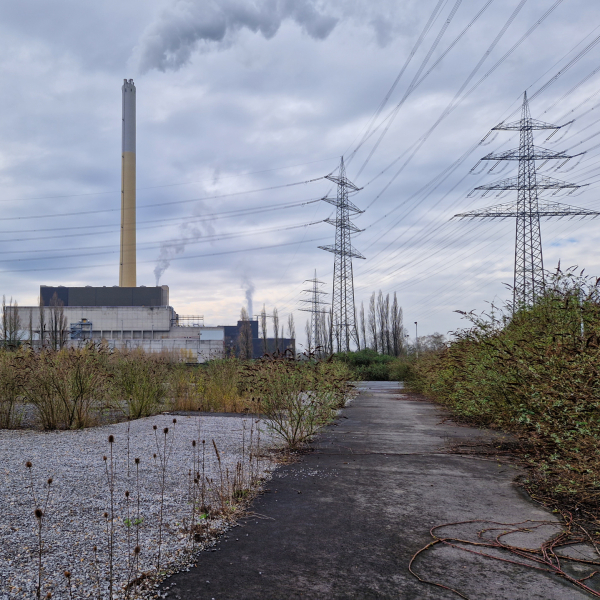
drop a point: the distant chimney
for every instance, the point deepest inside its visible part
(127, 267)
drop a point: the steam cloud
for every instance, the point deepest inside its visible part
(187, 233)
(249, 287)
(169, 42)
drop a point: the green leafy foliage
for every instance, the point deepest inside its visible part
(533, 372)
(369, 365)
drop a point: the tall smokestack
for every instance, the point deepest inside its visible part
(127, 267)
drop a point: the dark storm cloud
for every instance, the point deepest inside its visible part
(169, 42)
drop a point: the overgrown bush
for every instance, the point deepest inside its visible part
(64, 385)
(297, 398)
(220, 386)
(79, 387)
(11, 386)
(138, 382)
(534, 372)
(369, 365)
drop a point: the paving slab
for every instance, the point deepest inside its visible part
(345, 520)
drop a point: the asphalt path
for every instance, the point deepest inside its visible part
(346, 519)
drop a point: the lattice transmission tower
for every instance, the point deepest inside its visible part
(343, 313)
(529, 264)
(316, 308)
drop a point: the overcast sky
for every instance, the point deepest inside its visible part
(237, 96)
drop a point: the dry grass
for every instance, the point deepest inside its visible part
(82, 387)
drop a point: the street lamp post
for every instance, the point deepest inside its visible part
(417, 338)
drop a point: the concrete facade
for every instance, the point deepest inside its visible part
(151, 328)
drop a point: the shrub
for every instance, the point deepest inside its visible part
(369, 365)
(184, 384)
(64, 385)
(221, 386)
(533, 372)
(296, 398)
(138, 382)
(11, 386)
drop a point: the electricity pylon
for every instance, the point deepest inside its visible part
(316, 309)
(343, 313)
(529, 264)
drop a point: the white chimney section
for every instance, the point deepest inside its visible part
(127, 267)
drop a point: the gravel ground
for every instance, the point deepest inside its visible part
(73, 521)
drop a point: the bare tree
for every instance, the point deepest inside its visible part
(276, 328)
(362, 326)
(432, 343)
(31, 328)
(4, 322)
(383, 322)
(357, 330)
(42, 323)
(263, 327)
(309, 336)
(292, 332)
(11, 324)
(58, 324)
(328, 335)
(245, 336)
(374, 341)
(397, 327)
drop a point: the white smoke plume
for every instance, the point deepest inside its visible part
(170, 41)
(188, 232)
(249, 287)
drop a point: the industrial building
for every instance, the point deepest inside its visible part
(127, 316)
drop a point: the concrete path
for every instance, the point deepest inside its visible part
(345, 520)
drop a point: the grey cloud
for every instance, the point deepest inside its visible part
(169, 42)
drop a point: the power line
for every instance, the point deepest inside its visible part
(216, 197)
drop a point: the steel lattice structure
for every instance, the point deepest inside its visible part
(316, 305)
(529, 263)
(343, 313)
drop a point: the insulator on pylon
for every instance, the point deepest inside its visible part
(497, 163)
(481, 170)
(483, 142)
(574, 165)
(504, 167)
(566, 128)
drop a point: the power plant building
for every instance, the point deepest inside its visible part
(127, 316)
